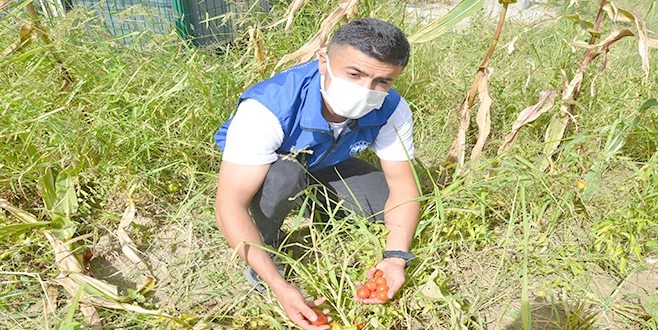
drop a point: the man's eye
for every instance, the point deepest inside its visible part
(353, 74)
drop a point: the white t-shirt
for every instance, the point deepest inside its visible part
(255, 134)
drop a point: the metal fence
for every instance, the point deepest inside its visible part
(203, 22)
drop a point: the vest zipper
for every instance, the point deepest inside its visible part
(334, 142)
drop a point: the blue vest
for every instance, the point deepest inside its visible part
(294, 98)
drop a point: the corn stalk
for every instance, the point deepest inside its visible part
(479, 89)
(565, 117)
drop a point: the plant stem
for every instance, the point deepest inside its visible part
(594, 37)
(590, 54)
(494, 42)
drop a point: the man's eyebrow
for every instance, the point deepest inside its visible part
(384, 78)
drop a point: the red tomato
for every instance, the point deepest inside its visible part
(379, 273)
(381, 295)
(371, 285)
(382, 288)
(322, 319)
(380, 281)
(363, 293)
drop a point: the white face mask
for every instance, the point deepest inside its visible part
(348, 99)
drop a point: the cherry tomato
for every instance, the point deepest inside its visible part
(381, 295)
(322, 319)
(371, 285)
(379, 273)
(88, 255)
(363, 293)
(382, 288)
(360, 326)
(379, 281)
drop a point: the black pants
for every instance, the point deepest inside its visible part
(361, 187)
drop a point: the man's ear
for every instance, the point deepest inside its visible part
(322, 62)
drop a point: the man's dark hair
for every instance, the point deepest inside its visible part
(375, 38)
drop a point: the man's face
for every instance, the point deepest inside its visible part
(351, 64)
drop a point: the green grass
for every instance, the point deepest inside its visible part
(508, 244)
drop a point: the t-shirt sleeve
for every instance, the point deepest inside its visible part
(253, 136)
(395, 139)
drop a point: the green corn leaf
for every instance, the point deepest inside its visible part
(446, 22)
(59, 197)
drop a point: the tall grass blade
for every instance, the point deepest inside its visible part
(446, 22)
(618, 133)
(67, 323)
(526, 317)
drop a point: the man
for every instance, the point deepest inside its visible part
(332, 108)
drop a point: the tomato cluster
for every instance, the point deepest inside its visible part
(375, 288)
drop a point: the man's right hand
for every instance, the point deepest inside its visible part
(297, 308)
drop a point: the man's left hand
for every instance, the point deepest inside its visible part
(394, 273)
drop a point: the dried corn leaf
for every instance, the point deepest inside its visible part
(128, 246)
(643, 45)
(4, 3)
(557, 127)
(458, 149)
(622, 15)
(50, 300)
(483, 118)
(26, 34)
(528, 115)
(319, 40)
(292, 10)
(18, 213)
(69, 265)
(72, 275)
(430, 289)
(256, 41)
(96, 286)
(354, 12)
